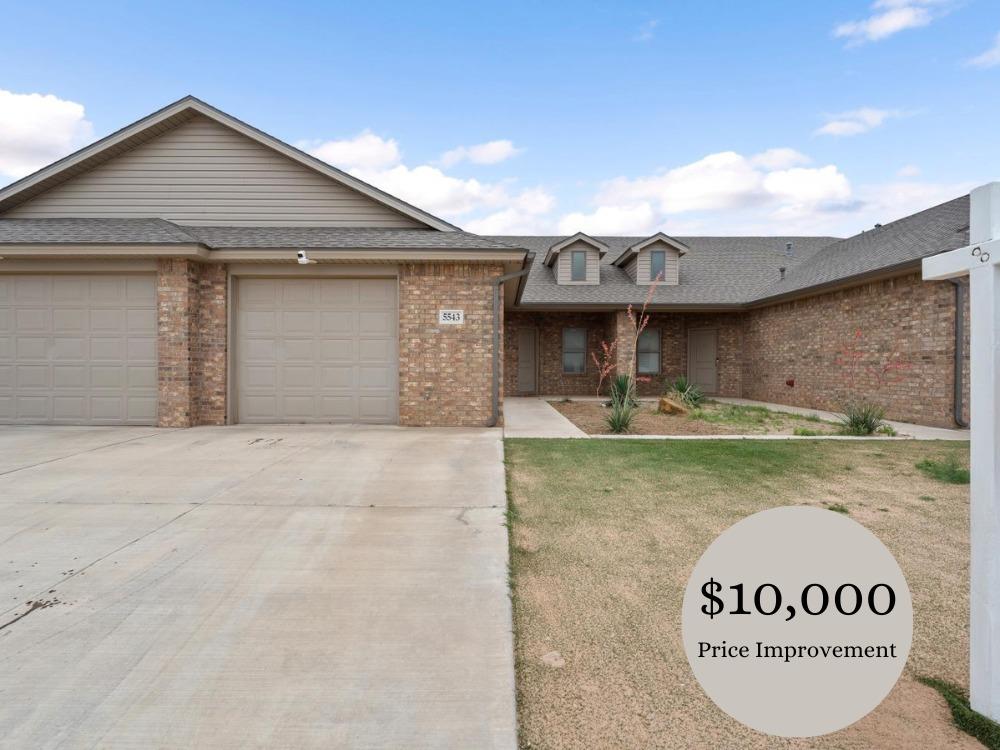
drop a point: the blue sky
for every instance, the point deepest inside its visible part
(691, 117)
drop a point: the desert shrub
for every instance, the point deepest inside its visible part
(686, 392)
(619, 419)
(862, 418)
(623, 391)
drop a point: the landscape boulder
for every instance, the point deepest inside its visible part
(670, 405)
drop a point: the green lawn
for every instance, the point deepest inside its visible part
(605, 534)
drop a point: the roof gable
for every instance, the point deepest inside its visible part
(182, 162)
(557, 247)
(659, 238)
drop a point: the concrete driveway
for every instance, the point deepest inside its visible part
(240, 587)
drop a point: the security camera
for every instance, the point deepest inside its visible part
(303, 258)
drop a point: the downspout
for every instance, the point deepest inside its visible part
(958, 400)
(497, 283)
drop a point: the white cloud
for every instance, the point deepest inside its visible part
(909, 170)
(647, 31)
(729, 181)
(780, 158)
(364, 151)
(635, 219)
(857, 121)
(491, 152)
(527, 214)
(988, 59)
(37, 129)
(889, 17)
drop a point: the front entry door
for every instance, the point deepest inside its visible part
(703, 360)
(527, 360)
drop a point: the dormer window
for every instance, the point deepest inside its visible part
(576, 259)
(578, 265)
(654, 259)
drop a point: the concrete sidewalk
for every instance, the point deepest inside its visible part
(531, 417)
(254, 586)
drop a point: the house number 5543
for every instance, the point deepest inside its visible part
(451, 317)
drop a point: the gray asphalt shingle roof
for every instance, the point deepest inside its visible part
(929, 232)
(163, 232)
(715, 271)
(744, 270)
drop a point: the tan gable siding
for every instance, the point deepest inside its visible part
(671, 271)
(202, 172)
(564, 265)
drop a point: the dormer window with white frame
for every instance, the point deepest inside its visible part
(576, 259)
(654, 259)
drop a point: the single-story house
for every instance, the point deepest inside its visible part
(190, 269)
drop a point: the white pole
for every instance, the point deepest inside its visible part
(984, 633)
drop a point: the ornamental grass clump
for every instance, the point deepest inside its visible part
(686, 392)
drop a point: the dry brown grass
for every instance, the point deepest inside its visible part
(719, 419)
(606, 534)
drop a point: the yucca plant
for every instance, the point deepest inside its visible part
(623, 391)
(619, 419)
(862, 418)
(686, 392)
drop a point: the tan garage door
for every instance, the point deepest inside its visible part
(316, 350)
(78, 349)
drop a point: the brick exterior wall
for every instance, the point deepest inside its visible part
(605, 326)
(551, 379)
(800, 340)
(191, 343)
(445, 371)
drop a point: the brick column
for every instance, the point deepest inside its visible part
(624, 334)
(445, 371)
(191, 343)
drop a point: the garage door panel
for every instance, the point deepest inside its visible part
(81, 349)
(141, 409)
(141, 376)
(69, 377)
(32, 376)
(378, 323)
(335, 322)
(31, 319)
(32, 347)
(375, 350)
(338, 377)
(260, 350)
(28, 289)
(141, 349)
(66, 349)
(258, 322)
(336, 345)
(375, 292)
(338, 408)
(299, 350)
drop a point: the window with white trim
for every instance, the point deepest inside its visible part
(648, 352)
(574, 350)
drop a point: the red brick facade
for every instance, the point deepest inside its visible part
(605, 327)
(445, 371)
(799, 341)
(191, 343)
(760, 350)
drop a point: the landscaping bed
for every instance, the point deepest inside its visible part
(605, 534)
(711, 418)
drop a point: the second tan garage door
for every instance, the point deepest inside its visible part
(316, 350)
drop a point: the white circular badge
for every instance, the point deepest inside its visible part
(797, 621)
